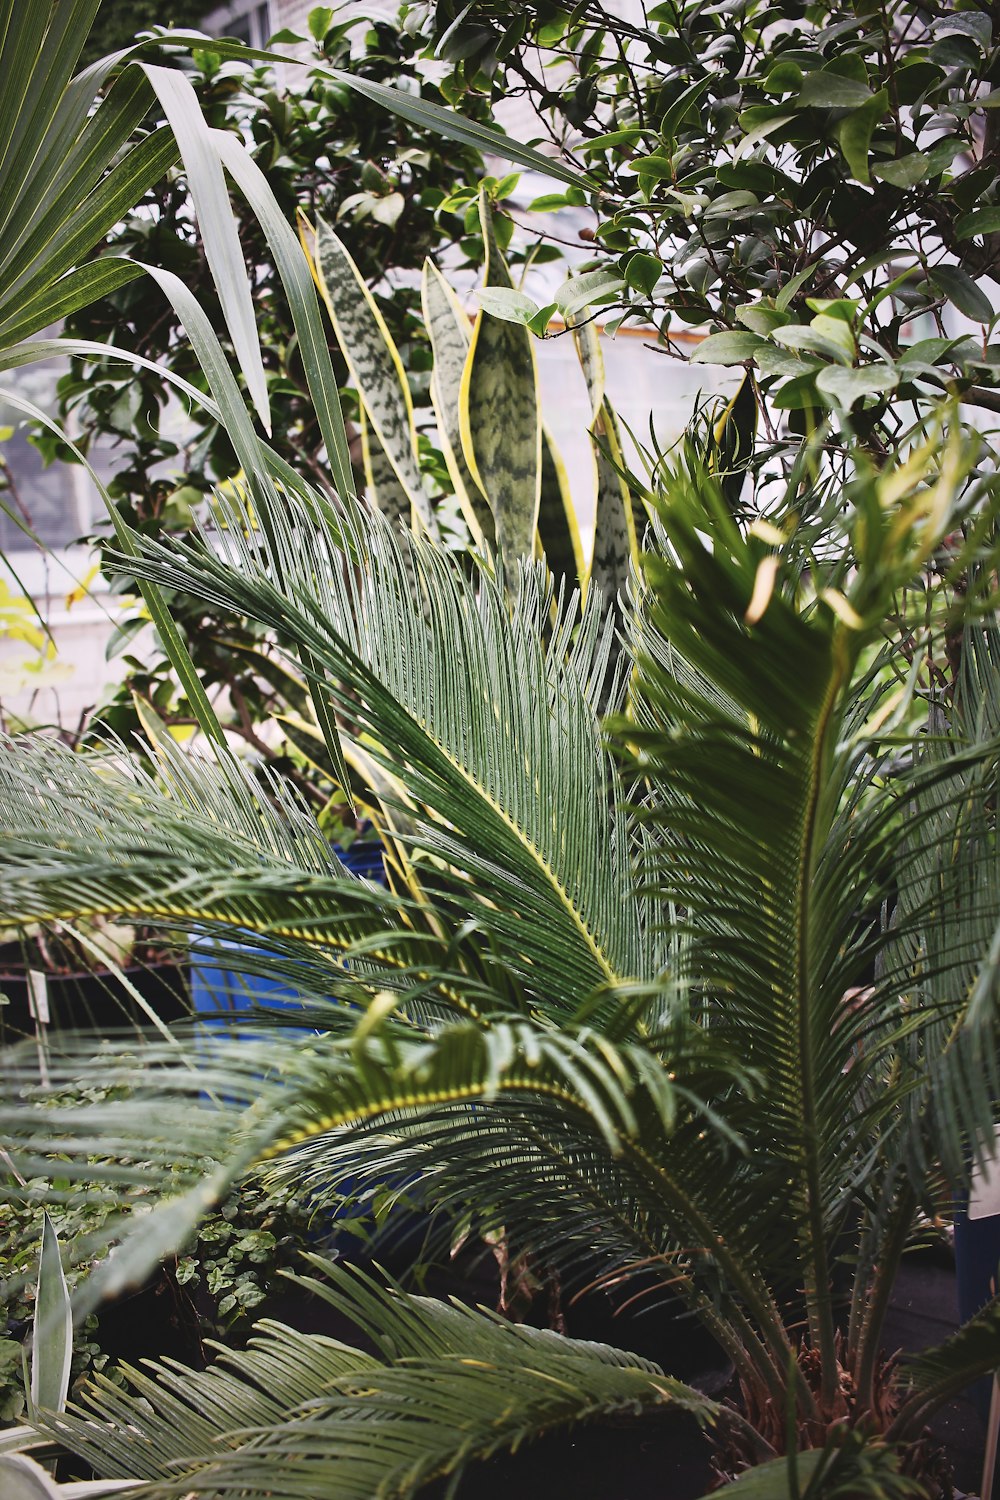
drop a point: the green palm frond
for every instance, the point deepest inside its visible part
(298, 1413)
(521, 806)
(770, 854)
(938, 1374)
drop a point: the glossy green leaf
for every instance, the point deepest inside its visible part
(980, 221)
(507, 303)
(854, 133)
(729, 348)
(643, 272)
(762, 320)
(844, 387)
(958, 286)
(799, 336)
(580, 292)
(826, 90)
(905, 171)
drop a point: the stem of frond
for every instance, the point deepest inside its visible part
(869, 1340)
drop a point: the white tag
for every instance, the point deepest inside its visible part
(984, 1191)
(38, 996)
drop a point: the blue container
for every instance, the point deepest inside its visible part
(222, 995)
(218, 992)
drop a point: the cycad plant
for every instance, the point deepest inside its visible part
(709, 1008)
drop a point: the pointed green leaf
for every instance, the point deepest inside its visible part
(372, 359)
(905, 171)
(558, 530)
(501, 413)
(450, 334)
(729, 348)
(827, 90)
(216, 222)
(507, 303)
(959, 287)
(844, 387)
(486, 138)
(854, 133)
(52, 1341)
(980, 221)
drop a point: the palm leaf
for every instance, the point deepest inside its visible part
(300, 1410)
(453, 693)
(763, 860)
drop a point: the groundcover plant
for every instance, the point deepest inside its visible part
(633, 1003)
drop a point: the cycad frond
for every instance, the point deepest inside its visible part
(300, 1414)
(752, 709)
(445, 683)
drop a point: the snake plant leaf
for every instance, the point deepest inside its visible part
(52, 1343)
(558, 531)
(733, 436)
(382, 487)
(428, 116)
(450, 334)
(615, 541)
(500, 412)
(372, 358)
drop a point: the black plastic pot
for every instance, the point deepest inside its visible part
(93, 1001)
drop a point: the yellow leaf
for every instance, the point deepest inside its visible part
(82, 589)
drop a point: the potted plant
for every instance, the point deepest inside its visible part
(610, 1005)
